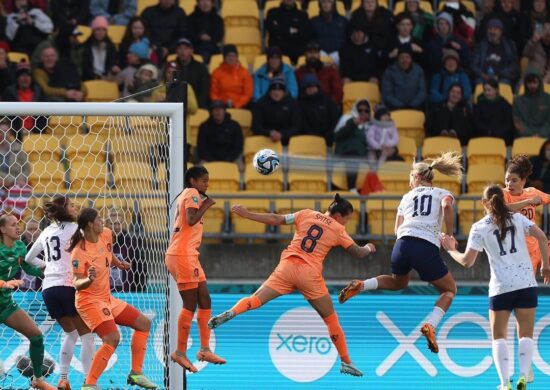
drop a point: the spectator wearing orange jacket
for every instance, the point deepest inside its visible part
(231, 82)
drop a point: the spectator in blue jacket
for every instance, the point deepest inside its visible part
(274, 67)
(403, 84)
(329, 29)
(450, 74)
(117, 12)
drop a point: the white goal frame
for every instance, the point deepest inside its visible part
(175, 111)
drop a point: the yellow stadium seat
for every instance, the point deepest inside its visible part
(133, 176)
(267, 184)
(15, 56)
(86, 147)
(504, 89)
(142, 4)
(313, 9)
(62, 126)
(116, 33)
(101, 91)
(291, 204)
(85, 33)
(407, 149)
(523, 64)
(360, 90)
(410, 123)
(261, 59)
(470, 6)
(424, 5)
(527, 145)
(173, 57)
(479, 176)
(521, 89)
(486, 150)
(381, 215)
(132, 147)
(217, 59)
(47, 176)
(324, 59)
(244, 117)
(270, 4)
(224, 176)
(247, 39)
(240, 13)
(88, 176)
(188, 6)
(243, 225)
(42, 147)
(469, 211)
(308, 181)
(447, 182)
(194, 122)
(357, 3)
(254, 143)
(307, 145)
(111, 204)
(395, 176)
(434, 146)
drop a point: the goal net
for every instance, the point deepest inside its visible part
(115, 158)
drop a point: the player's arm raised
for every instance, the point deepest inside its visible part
(361, 251)
(267, 218)
(193, 215)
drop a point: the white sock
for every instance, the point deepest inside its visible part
(370, 284)
(87, 351)
(66, 353)
(435, 316)
(525, 355)
(500, 357)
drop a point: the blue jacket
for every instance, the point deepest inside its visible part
(262, 79)
(403, 89)
(100, 7)
(330, 34)
(439, 86)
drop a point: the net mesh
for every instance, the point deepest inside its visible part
(118, 165)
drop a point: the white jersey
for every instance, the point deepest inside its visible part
(422, 213)
(509, 259)
(54, 241)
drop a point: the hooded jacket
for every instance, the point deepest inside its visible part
(220, 142)
(288, 29)
(262, 79)
(532, 111)
(328, 76)
(350, 138)
(507, 69)
(441, 82)
(231, 82)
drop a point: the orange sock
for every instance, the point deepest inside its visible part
(184, 327)
(203, 315)
(99, 362)
(139, 346)
(249, 303)
(337, 336)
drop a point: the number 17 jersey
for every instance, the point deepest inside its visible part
(422, 213)
(316, 234)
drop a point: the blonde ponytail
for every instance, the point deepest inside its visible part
(449, 164)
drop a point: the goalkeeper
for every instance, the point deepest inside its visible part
(12, 253)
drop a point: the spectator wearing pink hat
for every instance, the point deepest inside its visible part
(27, 26)
(99, 55)
(117, 12)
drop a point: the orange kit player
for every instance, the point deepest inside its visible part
(524, 200)
(92, 258)
(182, 260)
(301, 266)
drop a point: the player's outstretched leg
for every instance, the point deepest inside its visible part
(249, 303)
(352, 289)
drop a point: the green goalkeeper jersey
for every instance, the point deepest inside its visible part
(10, 261)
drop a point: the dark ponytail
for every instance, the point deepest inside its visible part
(499, 211)
(521, 166)
(86, 216)
(56, 209)
(341, 206)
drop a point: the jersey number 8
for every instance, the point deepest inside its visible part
(309, 242)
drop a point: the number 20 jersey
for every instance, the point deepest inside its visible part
(53, 241)
(422, 213)
(316, 234)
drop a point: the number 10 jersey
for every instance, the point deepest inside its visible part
(53, 241)
(422, 213)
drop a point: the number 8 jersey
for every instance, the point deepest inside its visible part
(53, 241)
(422, 213)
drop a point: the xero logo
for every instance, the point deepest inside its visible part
(300, 347)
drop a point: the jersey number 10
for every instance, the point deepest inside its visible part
(425, 203)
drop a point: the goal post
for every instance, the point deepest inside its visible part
(142, 152)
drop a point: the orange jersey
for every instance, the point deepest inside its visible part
(316, 234)
(99, 255)
(186, 239)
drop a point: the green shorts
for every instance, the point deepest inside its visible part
(7, 310)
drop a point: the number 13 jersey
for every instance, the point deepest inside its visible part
(54, 241)
(316, 234)
(422, 213)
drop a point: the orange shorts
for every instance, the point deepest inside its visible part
(294, 274)
(95, 313)
(185, 269)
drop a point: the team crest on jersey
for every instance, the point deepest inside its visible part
(195, 199)
(106, 311)
(75, 263)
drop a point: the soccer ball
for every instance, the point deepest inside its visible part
(266, 161)
(24, 365)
